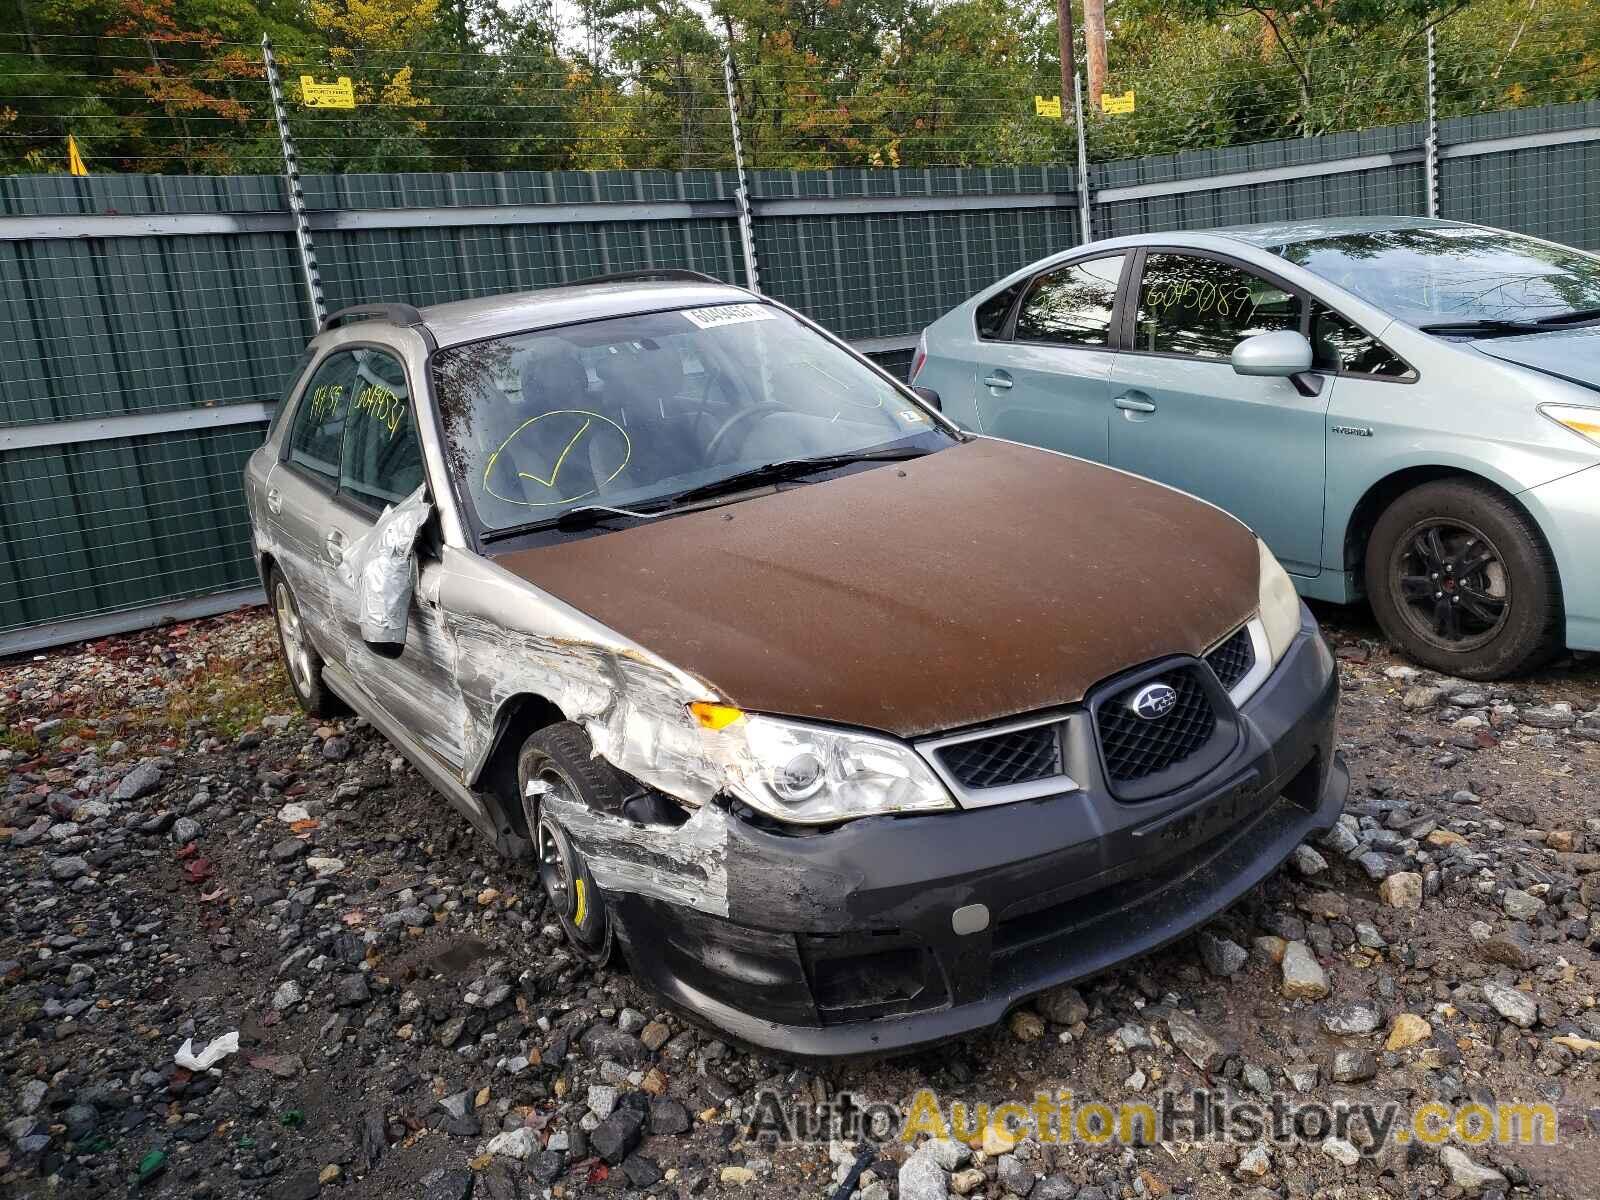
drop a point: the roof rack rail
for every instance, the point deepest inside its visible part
(665, 274)
(405, 315)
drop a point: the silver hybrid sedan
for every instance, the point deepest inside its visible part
(1402, 408)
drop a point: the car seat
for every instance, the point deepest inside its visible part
(643, 388)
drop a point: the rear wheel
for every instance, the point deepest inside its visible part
(1462, 582)
(301, 662)
(558, 763)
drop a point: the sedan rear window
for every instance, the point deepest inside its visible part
(1072, 305)
(631, 410)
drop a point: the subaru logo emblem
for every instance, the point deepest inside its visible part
(1153, 701)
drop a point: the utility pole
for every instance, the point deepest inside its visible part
(1094, 48)
(1069, 65)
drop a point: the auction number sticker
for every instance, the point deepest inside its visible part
(728, 314)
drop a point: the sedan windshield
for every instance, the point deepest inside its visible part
(632, 411)
(1455, 274)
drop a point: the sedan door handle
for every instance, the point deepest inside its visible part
(334, 544)
(1133, 403)
(274, 501)
(999, 379)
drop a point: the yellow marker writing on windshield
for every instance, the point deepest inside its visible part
(561, 458)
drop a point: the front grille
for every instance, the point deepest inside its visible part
(1233, 659)
(1135, 748)
(1020, 756)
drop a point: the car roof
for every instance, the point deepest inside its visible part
(462, 321)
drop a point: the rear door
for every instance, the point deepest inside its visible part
(380, 464)
(300, 496)
(1044, 378)
(1255, 447)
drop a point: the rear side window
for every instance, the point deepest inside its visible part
(992, 313)
(1341, 346)
(1204, 308)
(319, 419)
(382, 460)
(1072, 305)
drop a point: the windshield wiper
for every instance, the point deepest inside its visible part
(789, 468)
(1486, 326)
(1576, 317)
(581, 517)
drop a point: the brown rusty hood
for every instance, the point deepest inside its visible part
(980, 582)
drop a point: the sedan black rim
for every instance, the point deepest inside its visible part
(1450, 584)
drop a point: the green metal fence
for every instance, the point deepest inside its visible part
(147, 324)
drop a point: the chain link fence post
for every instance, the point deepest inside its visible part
(297, 199)
(1084, 216)
(1430, 145)
(741, 193)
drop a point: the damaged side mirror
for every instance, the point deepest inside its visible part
(380, 569)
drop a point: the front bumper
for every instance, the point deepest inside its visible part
(846, 942)
(1567, 511)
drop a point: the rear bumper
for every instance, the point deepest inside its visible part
(1567, 511)
(849, 942)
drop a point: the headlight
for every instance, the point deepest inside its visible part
(812, 775)
(1280, 604)
(1585, 422)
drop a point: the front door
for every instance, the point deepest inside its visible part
(380, 464)
(1179, 414)
(1046, 380)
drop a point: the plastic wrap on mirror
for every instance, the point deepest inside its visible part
(378, 570)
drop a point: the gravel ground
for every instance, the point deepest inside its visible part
(183, 856)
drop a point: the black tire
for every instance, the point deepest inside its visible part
(301, 662)
(561, 757)
(1461, 580)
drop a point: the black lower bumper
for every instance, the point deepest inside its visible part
(851, 941)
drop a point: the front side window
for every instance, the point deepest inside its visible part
(1204, 308)
(1340, 346)
(1072, 305)
(382, 458)
(632, 410)
(319, 419)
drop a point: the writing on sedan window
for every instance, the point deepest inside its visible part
(325, 400)
(378, 403)
(1199, 296)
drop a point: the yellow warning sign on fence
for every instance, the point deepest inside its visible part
(1048, 108)
(1111, 105)
(340, 94)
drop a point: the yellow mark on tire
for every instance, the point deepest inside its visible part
(583, 904)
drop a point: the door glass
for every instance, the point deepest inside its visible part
(1071, 306)
(992, 313)
(1341, 346)
(320, 418)
(1204, 308)
(382, 461)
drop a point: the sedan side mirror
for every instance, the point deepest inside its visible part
(1279, 355)
(1283, 354)
(930, 397)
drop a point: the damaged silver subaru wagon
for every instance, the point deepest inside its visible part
(849, 729)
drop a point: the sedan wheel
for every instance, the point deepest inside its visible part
(1450, 584)
(301, 662)
(1462, 581)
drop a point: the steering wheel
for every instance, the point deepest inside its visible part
(739, 419)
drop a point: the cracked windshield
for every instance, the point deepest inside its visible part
(636, 410)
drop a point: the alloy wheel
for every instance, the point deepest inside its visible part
(1450, 584)
(295, 649)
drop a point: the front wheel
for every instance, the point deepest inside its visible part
(558, 763)
(1461, 581)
